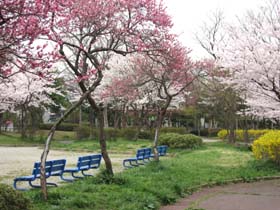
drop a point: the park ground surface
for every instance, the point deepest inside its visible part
(262, 195)
(179, 175)
(18, 161)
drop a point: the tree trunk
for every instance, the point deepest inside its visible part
(116, 119)
(1, 121)
(102, 140)
(80, 115)
(160, 117)
(105, 115)
(245, 131)
(231, 133)
(50, 137)
(91, 123)
(23, 122)
(103, 144)
(123, 118)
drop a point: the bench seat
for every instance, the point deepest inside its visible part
(84, 163)
(142, 157)
(162, 150)
(52, 168)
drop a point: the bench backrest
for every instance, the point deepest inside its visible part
(52, 167)
(140, 154)
(58, 167)
(89, 161)
(143, 153)
(95, 161)
(162, 150)
(148, 152)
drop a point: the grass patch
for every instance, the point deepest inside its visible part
(146, 188)
(62, 142)
(118, 146)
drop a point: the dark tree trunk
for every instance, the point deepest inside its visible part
(23, 121)
(1, 121)
(91, 123)
(116, 119)
(50, 137)
(245, 130)
(231, 133)
(160, 117)
(102, 140)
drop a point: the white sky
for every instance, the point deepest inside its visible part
(189, 15)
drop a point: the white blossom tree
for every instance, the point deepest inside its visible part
(251, 54)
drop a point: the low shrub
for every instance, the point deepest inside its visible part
(222, 134)
(239, 134)
(61, 127)
(146, 134)
(173, 130)
(202, 132)
(112, 134)
(128, 133)
(12, 200)
(174, 140)
(82, 132)
(268, 146)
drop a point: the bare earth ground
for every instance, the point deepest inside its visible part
(263, 195)
(18, 161)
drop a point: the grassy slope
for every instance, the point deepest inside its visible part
(149, 187)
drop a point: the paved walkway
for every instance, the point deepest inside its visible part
(263, 195)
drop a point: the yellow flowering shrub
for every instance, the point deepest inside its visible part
(222, 134)
(268, 146)
(239, 134)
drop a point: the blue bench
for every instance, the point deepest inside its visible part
(53, 168)
(84, 163)
(162, 150)
(142, 156)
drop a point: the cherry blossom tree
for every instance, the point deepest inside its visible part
(21, 23)
(85, 35)
(23, 91)
(251, 54)
(168, 74)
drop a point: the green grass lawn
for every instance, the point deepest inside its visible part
(148, 187)
(13, 139)
(60, 142)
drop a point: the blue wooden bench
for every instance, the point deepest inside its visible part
(84, 163)
(53, 168)
(142, 156)
(162, 150)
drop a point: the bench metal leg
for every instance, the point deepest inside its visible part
(83, 172)
(33, 185)
(18, 188)
(132, 163)
(77, 177)
(66, 179)
(38, 186)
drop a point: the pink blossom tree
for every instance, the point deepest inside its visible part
(84, 35)
(21, 23)
(168, 74)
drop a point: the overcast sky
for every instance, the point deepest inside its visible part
(189, 15)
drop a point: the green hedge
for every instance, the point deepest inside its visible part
(206, 132)
(61, 127)
(12, 200)
(173, 130)
(186, 141)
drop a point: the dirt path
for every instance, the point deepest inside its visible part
(263, 195)
(17, 161)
